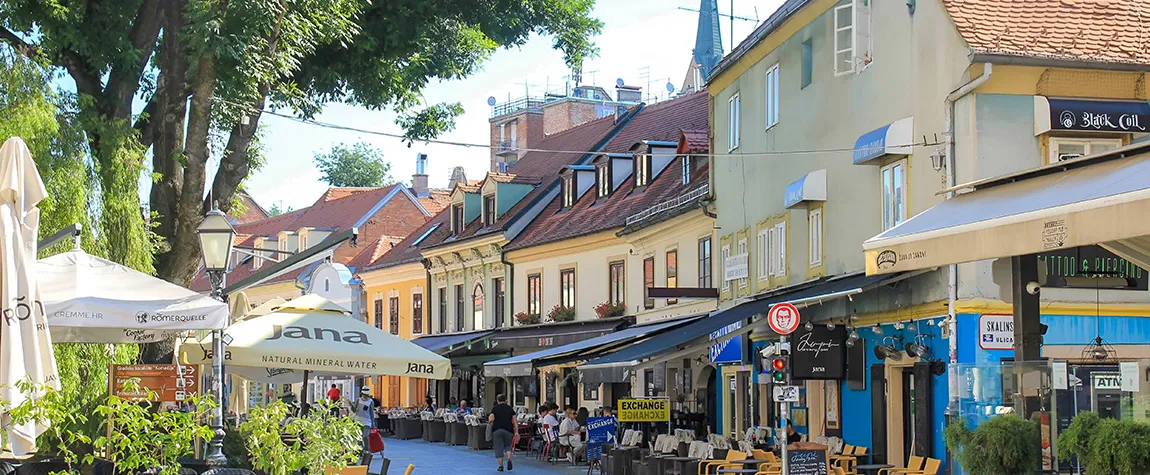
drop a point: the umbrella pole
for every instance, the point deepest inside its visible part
(303, 393)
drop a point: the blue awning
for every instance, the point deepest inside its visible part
(615, 366)
(523, 365)
(811, 187)
(895, 138)
(445, 343)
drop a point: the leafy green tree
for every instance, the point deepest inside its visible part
(1003, 445)
(358, 165)
(234, 58)
(276, 210)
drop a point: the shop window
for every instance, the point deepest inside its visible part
(1063, 149)
(733, 122)
(893, 194)
(393, 315)
(648, 281)
(567, 288)
(672, 273)
(459, 320)
(500, 292)
(616, 291)
(417, 313)
(379, 314)
(705, 263)
(534, 291)
(443, 310)
(815, 229)
(772, 101)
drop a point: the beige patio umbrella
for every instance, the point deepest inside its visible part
(310, 333)
(25, 344)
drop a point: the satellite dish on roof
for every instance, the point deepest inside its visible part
(619, 82)
(491, 101)
(670, 87)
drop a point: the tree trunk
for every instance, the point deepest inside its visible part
(170, 102)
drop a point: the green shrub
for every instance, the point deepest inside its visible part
(235, 450)
(1003, 445)
(1107, 446)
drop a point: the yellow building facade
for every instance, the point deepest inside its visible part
(396, 300)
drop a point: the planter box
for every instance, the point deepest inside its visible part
(457, 433)
(436, 431)
(477, 437)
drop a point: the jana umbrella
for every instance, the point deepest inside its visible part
(94, 300)
(25, 345)
(310, 333)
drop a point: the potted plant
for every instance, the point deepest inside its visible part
(560, 313)
(608, 309)
(1003, 445)
(1107, 446)
(524, 318)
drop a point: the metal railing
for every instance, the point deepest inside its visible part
(673, 203)
(506, 146)
(511, 107)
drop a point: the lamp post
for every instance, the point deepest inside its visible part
(216, 240)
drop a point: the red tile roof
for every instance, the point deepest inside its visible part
(374, 251)
(694, 141)
(660, 122)
(252, 210)
(409, 250)
(437, 201)
(338, 209)
(1097, 31)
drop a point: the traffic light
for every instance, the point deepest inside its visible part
(780, 369)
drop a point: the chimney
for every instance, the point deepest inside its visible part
(419, 179)
(626, 93)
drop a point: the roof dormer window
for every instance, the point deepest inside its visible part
(642, 170)
(456, 219)
(603, 180)
(569, 191)
(488, 210)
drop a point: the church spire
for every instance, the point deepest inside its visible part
(708, 42)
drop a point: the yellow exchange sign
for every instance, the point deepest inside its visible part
(645, 410)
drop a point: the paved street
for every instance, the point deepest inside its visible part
(459, 460)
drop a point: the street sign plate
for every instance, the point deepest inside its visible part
(786, 394)
(783, 318)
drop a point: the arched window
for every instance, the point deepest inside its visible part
(477, 299)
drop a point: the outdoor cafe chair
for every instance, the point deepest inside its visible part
(914, 463)
(549, 445)
(929, 468)
(732, 456)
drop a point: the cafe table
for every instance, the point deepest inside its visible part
(679, 464)
(873, 468)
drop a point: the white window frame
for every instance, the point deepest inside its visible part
(733, 112)
(514, 135)
(815, 229)
(888, 219)
(725, 252)
(772, 96)
(742, 249)
(780, 249)
(844, 12)
(603, 181)
(686, 171)
(763, 249)
(1088, 143)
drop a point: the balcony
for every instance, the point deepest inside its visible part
(511, 107)
(506, 147)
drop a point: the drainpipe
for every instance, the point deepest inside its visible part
(952, 270)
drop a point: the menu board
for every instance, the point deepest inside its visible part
(165, 382)
(807, 462)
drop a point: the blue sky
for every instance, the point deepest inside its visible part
(636, 34)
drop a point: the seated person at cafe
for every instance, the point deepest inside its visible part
(571, 436)
(464, 409)
(792, 435)
(551, 419)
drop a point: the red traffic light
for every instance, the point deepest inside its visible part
(779, 364)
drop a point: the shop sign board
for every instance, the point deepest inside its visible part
(655, 409)
(786, 394)
(996, 332)
(1063, 266)
(1129, 372)
(601, 430)
(164, 382)
(1092, 116)
(735, 267)
(1107, 381)
(807, 461)
(819, 353)
(729, 350)
(783, 318)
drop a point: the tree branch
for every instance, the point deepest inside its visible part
(21, 46)
(124, 80)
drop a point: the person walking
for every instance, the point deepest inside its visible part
(333, 396)
(502, 420)
(363, 410)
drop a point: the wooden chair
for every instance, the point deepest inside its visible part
(772, 466)
(929, 468)
(838, 471)
(848, 449)
(914, 463)
(732, 456)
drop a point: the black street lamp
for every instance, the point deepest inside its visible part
(216, 240)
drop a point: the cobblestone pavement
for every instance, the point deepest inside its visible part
(439, 458)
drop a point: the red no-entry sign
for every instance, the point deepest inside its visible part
(783, 318)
